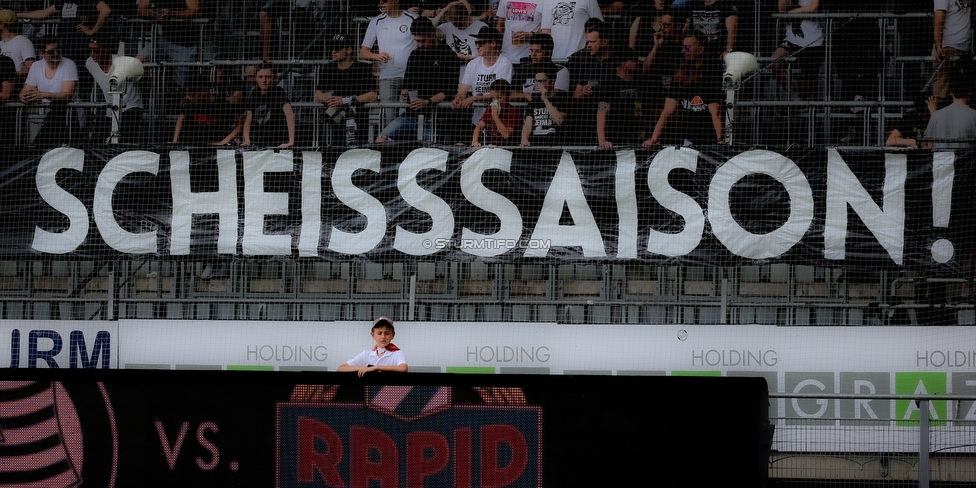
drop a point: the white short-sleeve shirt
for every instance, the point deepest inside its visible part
(67, 71)
(370, 358)
(955, 33)
(392, 36)
(19, 49)
(566, 21)
(519, 16)
(480, 77)
(462, 41)
(810, 33)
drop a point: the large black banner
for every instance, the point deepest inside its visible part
(712, 206)
(108, 429)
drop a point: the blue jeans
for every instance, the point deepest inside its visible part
(389, 91)
(404, 128)
(168, 51)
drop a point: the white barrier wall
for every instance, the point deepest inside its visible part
(59, 344)
(808, 360)
(493, 347)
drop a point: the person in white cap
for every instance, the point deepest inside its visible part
(384, 356)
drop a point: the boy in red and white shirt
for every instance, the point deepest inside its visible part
(384, 356)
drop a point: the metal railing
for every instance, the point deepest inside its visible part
(891, 442)
(571, 293)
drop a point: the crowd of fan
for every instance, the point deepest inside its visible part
(502, 72)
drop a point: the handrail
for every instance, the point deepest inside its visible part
(889, 396)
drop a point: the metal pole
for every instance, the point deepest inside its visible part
(111, 295)
(923, 443)
(116, 114)
(413, 296)
(729, 114)
(725, 300)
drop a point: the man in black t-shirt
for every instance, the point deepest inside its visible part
(545, 115)
(716, 22)
(539, 59)
(620, 115)
(694, 102)
(430, 76)
(345, 84)
(270, 121)
(80, 20)
(205, 118)
(588, 69)
(661, 61)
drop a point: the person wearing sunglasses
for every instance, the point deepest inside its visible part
(661, 61)
(481, 72)
(50, 85)
(459, 30)
(546, 112)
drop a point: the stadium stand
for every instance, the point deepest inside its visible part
(231, 42)
(230, 38)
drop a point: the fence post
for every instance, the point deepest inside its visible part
(923, 443)
(111, 295)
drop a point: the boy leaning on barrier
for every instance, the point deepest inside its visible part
(270, 120)
(500, 121)
(384, 356)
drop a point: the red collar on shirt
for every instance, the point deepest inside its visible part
(389, 347)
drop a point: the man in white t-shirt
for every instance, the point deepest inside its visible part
(390, 32)
(565, 22)
(481, 72)
(13, 45)
(518, 20)
(952, 38)
(51, 82)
